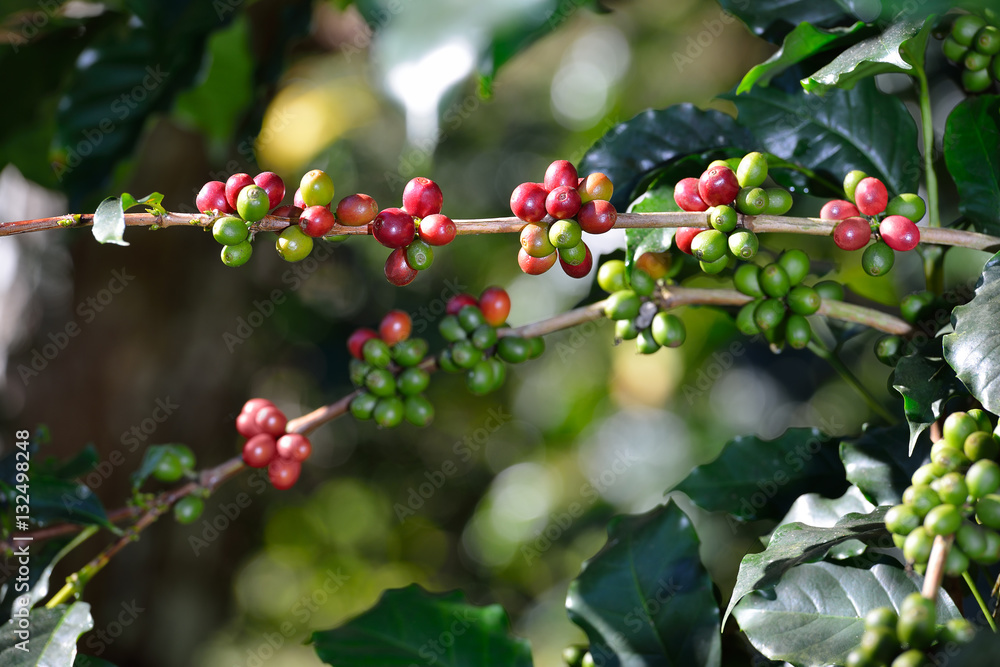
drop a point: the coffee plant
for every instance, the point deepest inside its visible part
(878, 545)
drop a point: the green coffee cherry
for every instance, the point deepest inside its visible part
(889, 349)
(293, 245)
(745, 323)
(976, 80)
(774, 281)
(983, 478)
(419, 255)
(641, 282)
(779, 201)
(537, 347)
(723, 218)
(949, 458)
(951, 488)
(363, 405)
(803, 300)
(976, 61)
(237, 254)
(987, 40)
(447, 363)
(917, 621)
(912, 658)
(830, 290)
(956, 563)
(513, 349)
(252, 203)
(988, 510)
(881, 617)
(376, 353)
(709, 246)
(188, 509)
(565, 233)
(983, 420)
(917, 547)
(943, 520)
(718, 266)
(957, 427)
(484, 337)
(981, 445)
(878, 259)
(746, 279)
(744, 244)
(357, 370)
(917, 306)
(902, 519)
(465, 354)
(229, 230)
(952, 50)
(751, 201)
(957, 630)
(611, 276)
(389, 412)
(451, 329)
(668, 329)
(991, 554)
(381, 382)
(626, 330)
(797, 331)
(851, 181)
(413, 381)
(971, 539)
(752, 170)
(481, 378)
(410, 352)
(418, 410)
(880, 644)
(921, 498)
(645, 343)
(907, 205)
(769, 314)
(471, 318)
(622, 305)
(795, 262)
(965, 28)
(927, 473)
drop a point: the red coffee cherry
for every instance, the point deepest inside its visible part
(272, 184)
(559, 173)
(271, 420)
(597, 216)
(535, 266)
(686, 195)
(527, 202)
(283, 473)
(397, 271)
(246, 425)
(495, 304)
(316, 221)
(394, 228)
(294, 447)
(234, 184)
(297, 199)
(852, 233)
(718, 185)
(259, 450)
(357, 341)
(838, 209)
(582, 269)
(459, 301)
(437, 229)
(292, 212)
(871, 196)
(395, 327)
(356, 210)
(254, 404)
(422, 197)
(212, 197)
(563, 202)
(684, 236)
(899, 232)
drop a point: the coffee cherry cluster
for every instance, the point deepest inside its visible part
(954, 494)
(412, 230)
(268, 445)
(637, 316)
(729, 189)
(250, 198)
(973, 44)
(558, 211)
(902, 640)
(474, 345)
(781, 303)
(388, 372)
(868, 209)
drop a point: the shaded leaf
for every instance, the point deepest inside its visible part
(972, 155)
(861, 128)
(645, 598)
(972, 349)
(42, 555)
(78, 466)
(792, 544)
(878, 463)
(773, 19)
(926, 384)
(814, 510)
(406, 625)
(814, 615)
(760, 479)
(53, 635)
(54, 500)
(91, 661)
(109, 222)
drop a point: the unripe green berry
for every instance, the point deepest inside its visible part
(668, 329)
(413, 381)
(965, 28)
(744, 244)
(881, 617)
(363, 405)
(879, 643)
(252, 203)
(971, 539)
(916, 306)
(917, 624)
(795, 262)
(958, 630)
(988, 510)
(952, 50)
(951, 488)
(229, 230)
(419, 255)
(622, 305)
(878, 259)
(451, 329)
(798, 332)
(889, 349)
(641, 282)
(957, 427)
(418, 410)
(611, 276)
(537, 347)
(927, 473)
(389, 412)
(723, 218)
(752, 170)
(956, 563)
(376, 353)
(745, 323)
(981, 445)
(465, 354)
(943, 520)
(976, 61)
(851, 181)
(769, 314)
(513, 349)
(830, 290)
(922, 498)
(645, 343)
(625, 330)
(912, 658)
(358, 370)
(718, 266)
(983, 478)
(409, 352)
(983, 420)
(565, 233)
(746, 280)
(481, 378)
(779, 201)
(316, 188)
(237, 254)
(751, 201)
(949, 458)
(446, 363)
(907, 205)
(977, 80)
(987, 40)
(917, 547)
(709, 246)
(803, 300)
(380, 382)
(902, 519)
(774, 281)
(293, 245)
(188, 509)
(991, 554)
(471, 318)
(484, 337)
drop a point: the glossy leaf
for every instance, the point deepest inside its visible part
(926, 384)
(645, 598)
(899, 49)
(793, 544)
(760, 479)
(813, 617)
(109, 222)
(878, 463)
(773, 19)
(971, 349)
(53, 636)
(409, 626)
(860, 128)
(54, 500)
(632, 152)
(972, 155)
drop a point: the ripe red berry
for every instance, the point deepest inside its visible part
(684, 236)
(686, 195)
(394, 228)
(294, 447)
(212, 197)
(356, 210)
(495, 304)
(254, 404)
(272, 185)
(395, 327)
(422, 197)
(580, 270)
(459, 301)
(899, 233)
(838, 209)
(283, 473)
(535, 266)
(234, 184)
(270, 419)
(316, 221)
(356, 341)
(560, 172)
(259, 450)
(562, 202)
(718, 185)
(871, 196)
(246, 425)
(597, 216)
(437, 229)
(397, 271)
(297, 199)
(852, 233)
(527, 202)
(287, 212)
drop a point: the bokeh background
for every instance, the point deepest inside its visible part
(290, 86)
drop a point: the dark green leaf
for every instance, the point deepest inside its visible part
(760, 479)
(795, 543)
(631, 153)
(899, 49)
(53, 635)
(411, 626)
(814, 510)
(860, 128)
(645, 598)
(773, 19)
(878, 463)
(78, 466)
(109, 222)
(804, 41)
(91, 661)
(972, 154)
(54, 500)
(814, 615)
(926, 383)
(43, 556)
(972, 349)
